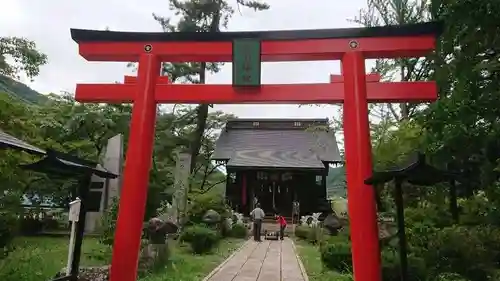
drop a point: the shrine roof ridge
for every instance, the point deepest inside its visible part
(274, 123)
(319, 120)
(419, 29)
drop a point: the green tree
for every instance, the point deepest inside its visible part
(397, 12)
(15, 119)
(81, 129)
(462, 127)
(17, 56)
(20, 56)
(175, 129)
(199, 16)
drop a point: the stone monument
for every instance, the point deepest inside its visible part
(104, 191)
(181, 184)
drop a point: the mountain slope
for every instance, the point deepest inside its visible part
(336, 183)
(20, 91)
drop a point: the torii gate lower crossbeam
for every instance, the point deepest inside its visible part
(351, 46)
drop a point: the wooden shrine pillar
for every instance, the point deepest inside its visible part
(134, 192)
(361, 203)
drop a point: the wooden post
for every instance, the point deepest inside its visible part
(398, 196)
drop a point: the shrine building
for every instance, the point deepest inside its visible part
(277, 162)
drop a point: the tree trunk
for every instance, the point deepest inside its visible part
(453, 202)
(201, 123)
(202, 110)
(405, 114)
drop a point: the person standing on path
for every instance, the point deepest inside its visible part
(282, 222)
(257, 215)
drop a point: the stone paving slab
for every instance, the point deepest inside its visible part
(261, 261)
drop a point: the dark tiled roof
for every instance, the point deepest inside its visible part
(7, 140)
(65, 165)
(275, 158)
(54, 162)
(280, 143)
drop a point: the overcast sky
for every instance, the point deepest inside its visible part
(48, 23)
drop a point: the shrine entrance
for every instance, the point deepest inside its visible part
(247, 50)
(274, 191)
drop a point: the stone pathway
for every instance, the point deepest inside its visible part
(264, 261)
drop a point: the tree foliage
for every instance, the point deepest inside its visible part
(465, 66)
(20, 56)
(199, 16)
(83, 130)
(397, 12)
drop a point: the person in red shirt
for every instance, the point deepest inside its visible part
(282, 222)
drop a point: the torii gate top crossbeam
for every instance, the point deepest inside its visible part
(294, 45)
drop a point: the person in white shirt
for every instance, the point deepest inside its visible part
(257, 215)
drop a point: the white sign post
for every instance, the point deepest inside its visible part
(74, 214)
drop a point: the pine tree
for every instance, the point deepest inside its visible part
(199, 16)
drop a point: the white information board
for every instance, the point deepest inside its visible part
(74, 210)
(74, 214)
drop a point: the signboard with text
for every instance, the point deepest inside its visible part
(74, 210)
(246, 62)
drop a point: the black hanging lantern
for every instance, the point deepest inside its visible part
(416, 172)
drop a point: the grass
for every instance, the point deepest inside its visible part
(40, 258)
(311, 258)
(188, 267)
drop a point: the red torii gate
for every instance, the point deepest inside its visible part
(352, 46)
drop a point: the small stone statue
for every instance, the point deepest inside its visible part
(157, 252)
(158, 230)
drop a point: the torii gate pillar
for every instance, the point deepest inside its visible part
(137, 166)
(358, 157)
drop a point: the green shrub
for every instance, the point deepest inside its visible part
(50, 224)
(302, 232)
(432, 215)
(8, 224)
(335, 239)
(391, 267)
(201, 238)
(490, 238)
(315, 235)
(462, 250)
(239, 231)
(345, 231)
(344, 277)
(336, 255)
(450, 277)
(418, 236)
(188, 233)
(479, 210)
(30, 226)
(200, 204)
(108, 225)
